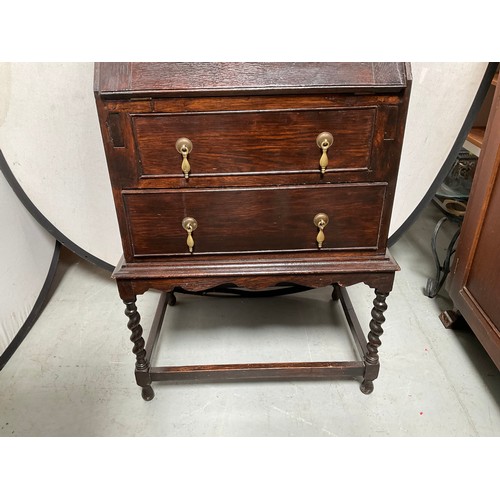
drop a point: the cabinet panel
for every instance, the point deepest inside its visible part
(475, 279)
(483, 282)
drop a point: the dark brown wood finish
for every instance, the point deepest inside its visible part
(474, 284)
(255, 220)
(363, 128)
(165, 79)
(261, 371)
(254, 188)
(253, 142)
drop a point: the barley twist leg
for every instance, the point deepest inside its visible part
(371, 357)
(141, 364)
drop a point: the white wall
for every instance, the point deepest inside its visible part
(26, 251)
(442, 94)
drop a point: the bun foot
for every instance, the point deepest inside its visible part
(147, 393)
(366, 387)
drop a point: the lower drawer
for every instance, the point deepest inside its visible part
(254, 220)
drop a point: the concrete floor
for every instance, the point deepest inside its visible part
(73, 375)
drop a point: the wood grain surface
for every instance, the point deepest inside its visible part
(236, 78)
(254, 141)
(255, 220)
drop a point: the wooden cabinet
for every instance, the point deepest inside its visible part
(475, 137)
(474, 285)
(253, 175)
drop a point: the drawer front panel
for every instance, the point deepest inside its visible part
(253, 143)
(255, 220)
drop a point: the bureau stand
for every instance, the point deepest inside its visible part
(366, 367)
(253, 176)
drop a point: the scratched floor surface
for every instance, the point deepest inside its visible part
(73, 375)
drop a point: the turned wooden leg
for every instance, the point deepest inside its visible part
(171, 299)
(372, 364)
(141, 364)
(336, 292)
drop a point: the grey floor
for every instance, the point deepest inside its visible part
(73, 374)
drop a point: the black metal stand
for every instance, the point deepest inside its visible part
(442, 270)
(452, 201)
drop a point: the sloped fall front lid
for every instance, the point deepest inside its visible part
(118, 80)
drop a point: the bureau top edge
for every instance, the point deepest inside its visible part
(146, 80)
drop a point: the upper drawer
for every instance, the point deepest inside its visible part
(249, 143)
(250, 124)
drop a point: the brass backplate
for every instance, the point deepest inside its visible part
(184, 145)
(324, 136)
(321, 220)
(189, 223)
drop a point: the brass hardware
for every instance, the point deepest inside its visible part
(324, 141)
(320, 221)
(184, 146)
(190, 225)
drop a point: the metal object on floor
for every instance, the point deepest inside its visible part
(451, 199)
(442, 270)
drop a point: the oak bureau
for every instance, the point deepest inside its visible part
(253, 175)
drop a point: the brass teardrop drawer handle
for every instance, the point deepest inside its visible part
(189, 224)
(320, 221)
(184, 146)
(324, 142)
